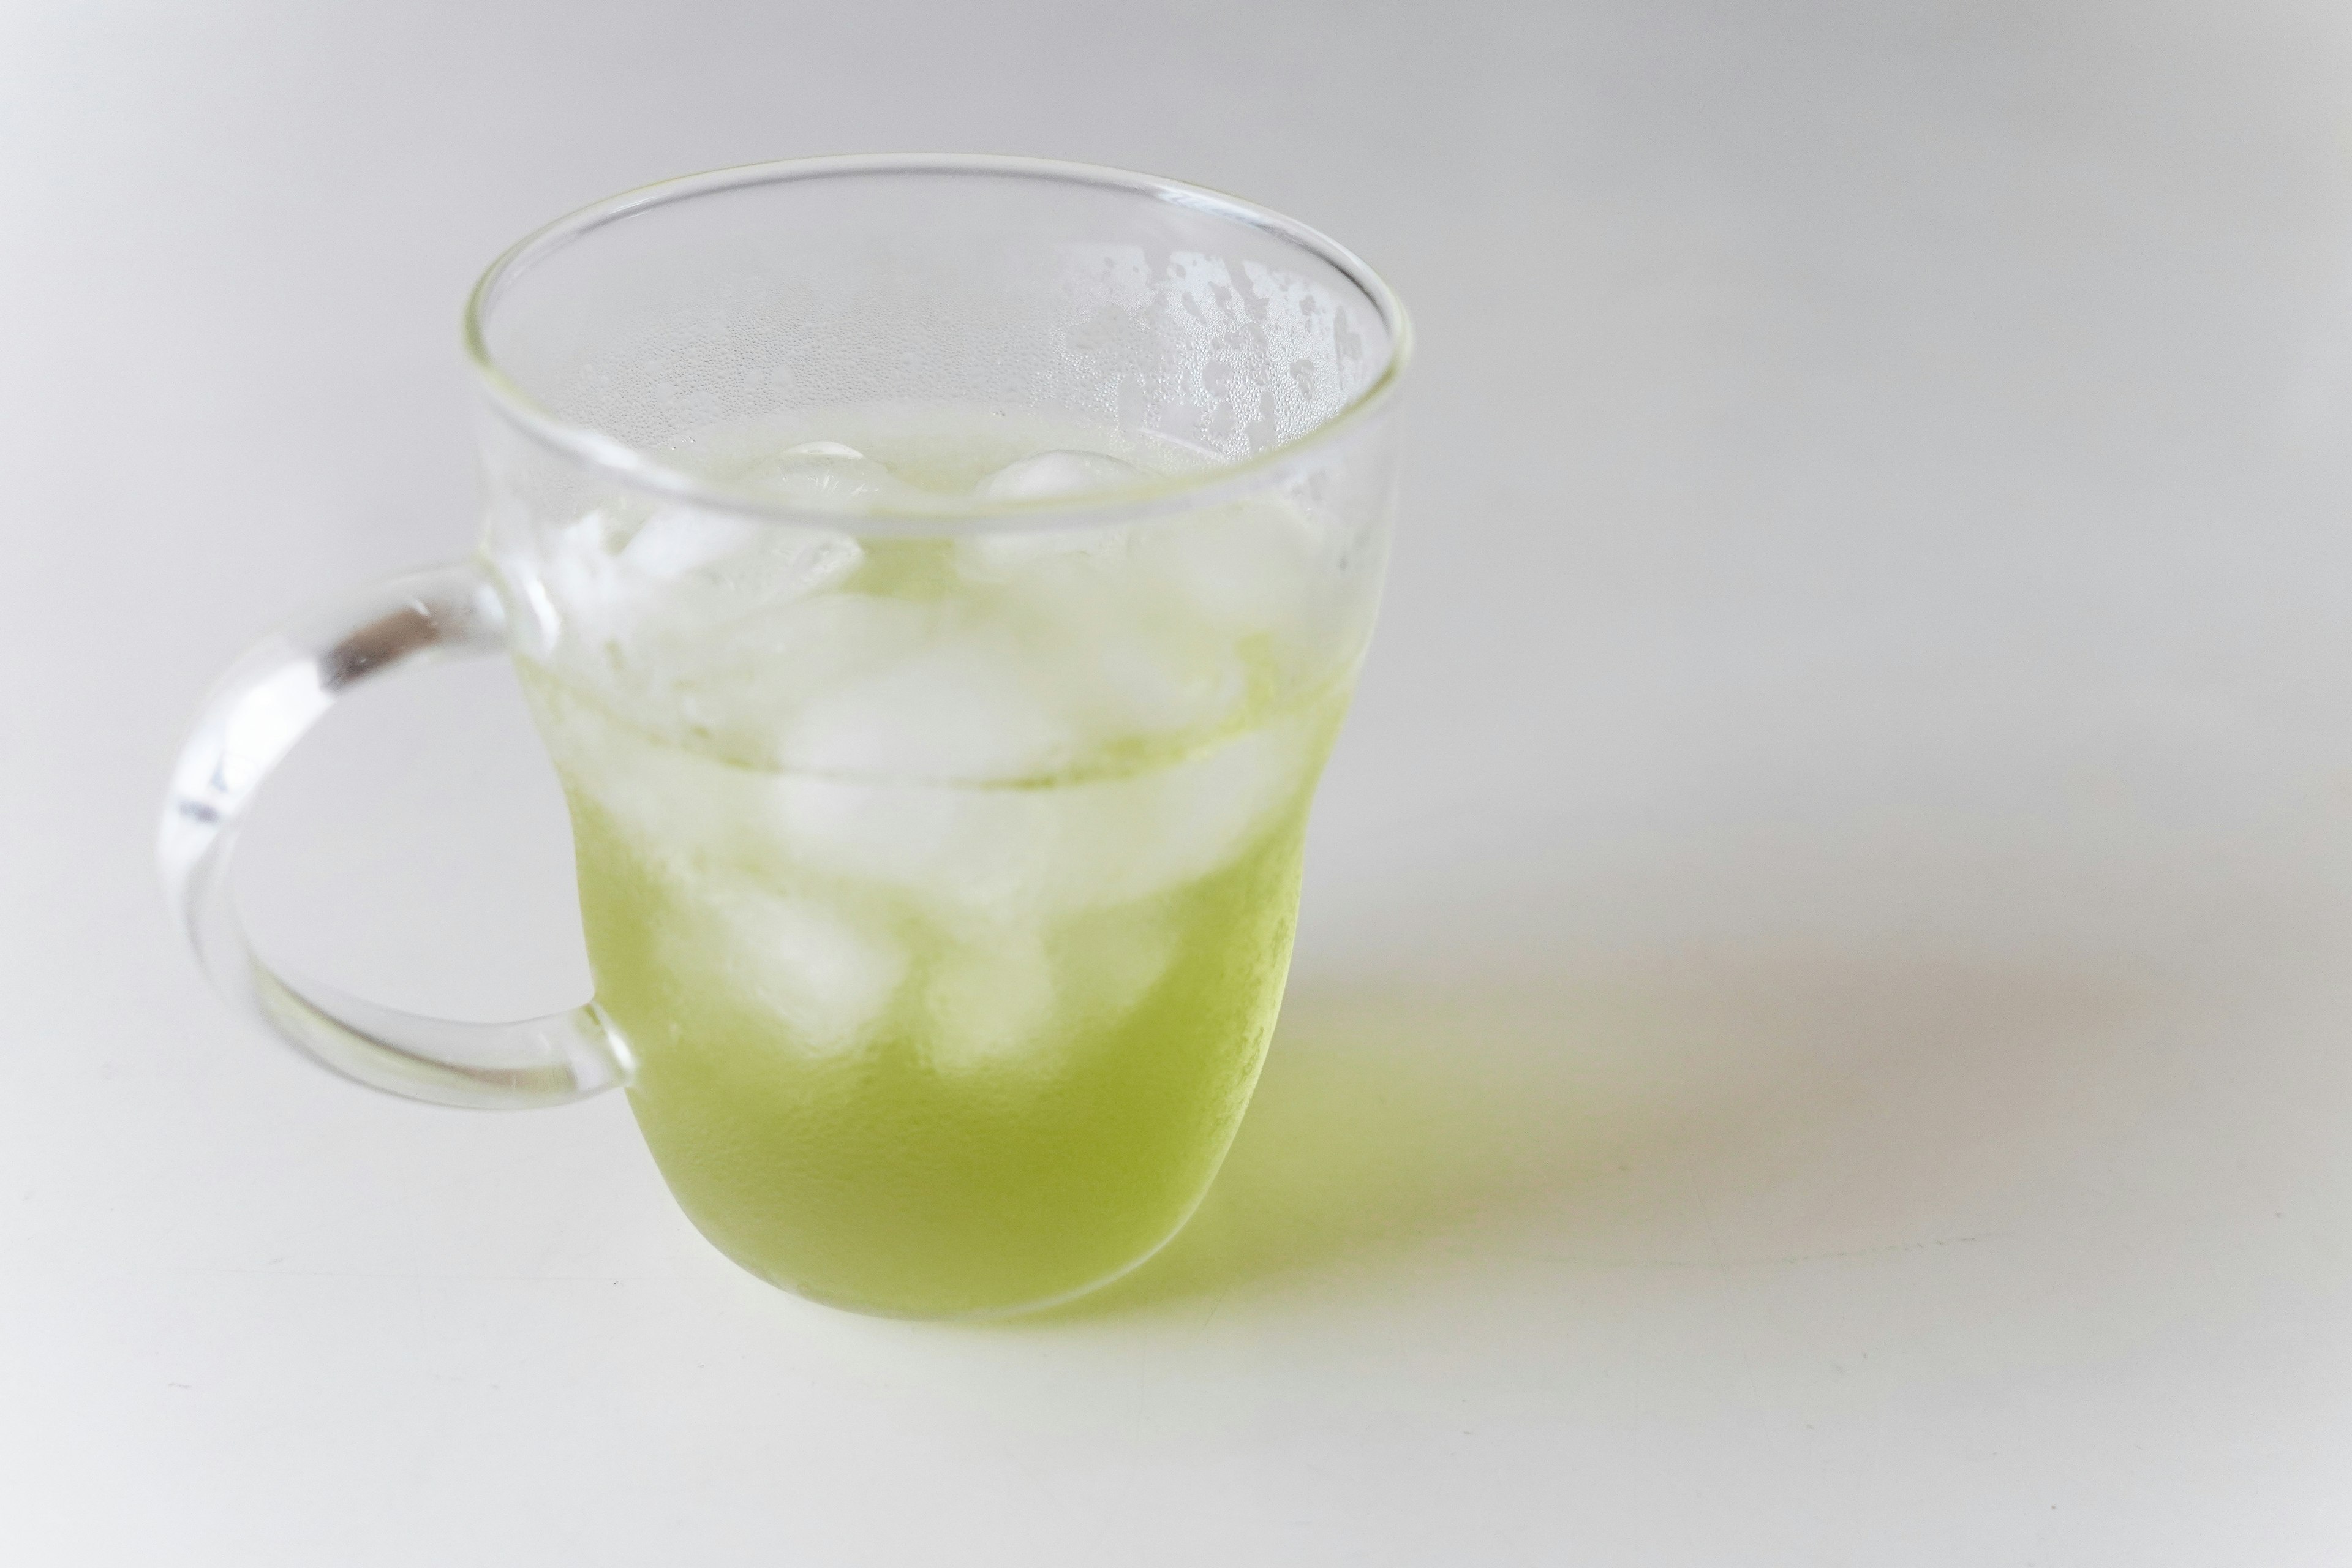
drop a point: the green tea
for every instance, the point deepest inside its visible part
(943, 887)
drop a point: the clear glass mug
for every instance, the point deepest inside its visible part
(937, 582)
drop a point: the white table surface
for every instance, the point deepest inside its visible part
(1822, 1032)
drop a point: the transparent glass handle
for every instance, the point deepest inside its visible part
(247, 726)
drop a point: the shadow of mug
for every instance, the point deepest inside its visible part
(1735, 1109)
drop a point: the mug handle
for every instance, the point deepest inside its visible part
(245, 727)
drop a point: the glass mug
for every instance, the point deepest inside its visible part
(937, 582)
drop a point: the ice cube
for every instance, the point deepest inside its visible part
(673, 543)
(1005, 557)
(1110, 961)
(1111, 652)
(1142, 836)
(813, 566)
(678, 812)
(989, 1002)
(1253, 566)
(535, 622)
(636, 613)
(1011, 854)
(827, 476)
(1132, 685)
(819, 971)
(604, 577)
(577, 590)
(1066, 471)
(966, 705)
(1000, 555)
(745, 682)
(957, 853)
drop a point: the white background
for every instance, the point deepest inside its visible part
(1822, 1033)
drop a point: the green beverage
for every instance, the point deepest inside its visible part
(938, 580)
(943, 887)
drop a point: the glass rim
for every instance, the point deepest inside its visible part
(648, 470)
